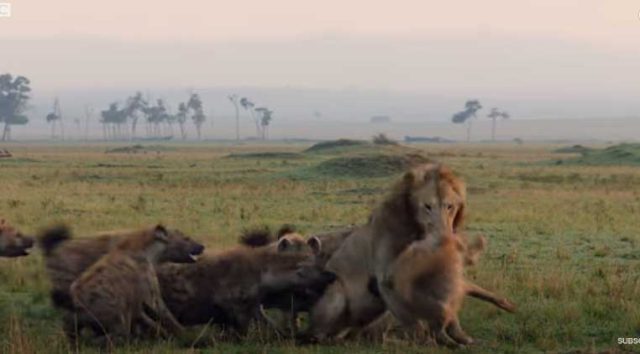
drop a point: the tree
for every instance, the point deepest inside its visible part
(234, 100)
(156, 115)
(135, 106)
(469, 113)
(55, 119)
(494, 115)
(198, 117)
(248, 106)
(181, 118)
(112, 121)
(14, 96)
(266, 115)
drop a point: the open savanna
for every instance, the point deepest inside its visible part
(563, 238)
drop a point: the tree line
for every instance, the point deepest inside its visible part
(121, 121)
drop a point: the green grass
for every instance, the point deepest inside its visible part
(622, 154)
(563, 239)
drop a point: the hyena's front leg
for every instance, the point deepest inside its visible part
(165, 317)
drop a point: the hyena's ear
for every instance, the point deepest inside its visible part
(285, 229)
(315, 244)
(161, 233)
(283, 244)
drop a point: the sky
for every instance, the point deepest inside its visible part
(594, 21)
(544, 58)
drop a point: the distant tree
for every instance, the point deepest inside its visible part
(55, 119)
(249, 106)
(383, 139)
(494, 115)
(156, 115)
(14, 96)
(88, 113)
(235, 101)
(136, 105)
(466, 116)
(181, 117)
(113, 119)
(198, 117)
(52, 119)
(266, 115)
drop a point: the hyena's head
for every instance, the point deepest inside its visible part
(181, 248)
(12, 242)
(295, 271)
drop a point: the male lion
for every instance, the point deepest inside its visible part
(428, 200)
(12, 242)
(66, 257)
(121, 289)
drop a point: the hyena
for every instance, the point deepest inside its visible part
(228, 288)
(12, 242)
(121, 289)
(66, 257)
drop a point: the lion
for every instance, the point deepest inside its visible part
(228, 288)
(12, 242)
(66, 257)
(121, 289)
(428, 284)
(428, 200)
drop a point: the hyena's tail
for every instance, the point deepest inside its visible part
(53, 237)
(256, 237)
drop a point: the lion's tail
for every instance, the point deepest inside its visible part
(53, 237)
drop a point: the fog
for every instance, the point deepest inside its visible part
(338, 63)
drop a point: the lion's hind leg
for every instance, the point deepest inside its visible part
(483, 294)
(455, 331)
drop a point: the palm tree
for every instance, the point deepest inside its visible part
(234, 100)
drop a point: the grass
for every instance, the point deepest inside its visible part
(562, 238)
(622, 154)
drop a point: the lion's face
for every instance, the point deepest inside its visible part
(12, 242)
(437, 198)
(181, 248)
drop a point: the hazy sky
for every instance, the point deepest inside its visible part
(597, 21)
(579, 49)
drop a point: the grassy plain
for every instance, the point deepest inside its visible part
(563, 238)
